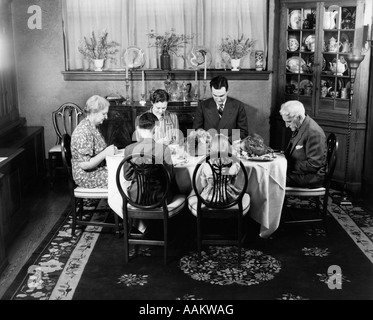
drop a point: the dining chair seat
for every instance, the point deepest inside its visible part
(173, 208)
(294, 191)
(193, 202)
(94, 193)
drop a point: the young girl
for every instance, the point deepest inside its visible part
(220, 143)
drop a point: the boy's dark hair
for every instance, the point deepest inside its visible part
(147, 120)
(160, 95)
(219, 82)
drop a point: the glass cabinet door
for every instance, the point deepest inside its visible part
(300, 54)
(337, 36)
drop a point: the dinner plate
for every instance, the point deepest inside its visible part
(134, 57)
(294, 64)
(200, 56)
(310, 62)
(295, 19)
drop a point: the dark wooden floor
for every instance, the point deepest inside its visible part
(44, 209)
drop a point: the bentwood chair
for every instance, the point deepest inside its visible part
(220, 206)
(78, 194)
(148, 201)
(65, 119)
(320, 195)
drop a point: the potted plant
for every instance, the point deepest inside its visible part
(169, 43)
(235, 49)
(98, 49)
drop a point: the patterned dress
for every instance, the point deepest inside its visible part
(87, 142)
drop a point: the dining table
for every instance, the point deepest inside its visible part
(266, 186)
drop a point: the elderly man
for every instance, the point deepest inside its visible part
(306, 152)
(222, 113)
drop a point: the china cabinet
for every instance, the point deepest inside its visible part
(315, 38)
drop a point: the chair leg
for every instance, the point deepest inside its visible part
(73, 226)
(165, 239)
(239, 232)
(199, 235)
(125, 237)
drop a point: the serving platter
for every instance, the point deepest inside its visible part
(294, 64)
(263, 158)
(295, 19)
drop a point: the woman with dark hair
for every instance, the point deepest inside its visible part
(167, 126)
(88, 147)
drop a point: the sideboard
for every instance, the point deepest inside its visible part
(22, 169)
(120, 125)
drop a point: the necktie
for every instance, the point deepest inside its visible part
(220, 109)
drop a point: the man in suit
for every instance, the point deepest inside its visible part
(306, 151)
(221, 113)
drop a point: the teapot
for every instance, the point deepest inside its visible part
(346, 46)
(329, 19)
(334, 45)
(338, 67)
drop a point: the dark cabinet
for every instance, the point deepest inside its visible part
(22, 172)
(120, 125)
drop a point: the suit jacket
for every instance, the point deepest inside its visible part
(234, 117)
(306, 155)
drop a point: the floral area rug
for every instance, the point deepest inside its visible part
(297, 263)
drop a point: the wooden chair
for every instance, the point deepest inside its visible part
(148, 172)
(65, 119)
(321, 194)
(220, 206)
(77, 194)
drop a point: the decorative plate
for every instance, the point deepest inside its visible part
(200, 55)
(294, 64)
(304, 83)
(310, 62)
(134, 57)
(295, 19)
(293, 44)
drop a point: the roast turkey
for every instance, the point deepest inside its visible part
(254, 146)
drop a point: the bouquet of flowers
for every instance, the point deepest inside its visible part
(236, 48)
(98, 47)
(170, 42)
(198, 142)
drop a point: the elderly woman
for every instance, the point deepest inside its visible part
(167, 128)
(88, 147)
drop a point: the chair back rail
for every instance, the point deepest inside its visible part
(66, 118)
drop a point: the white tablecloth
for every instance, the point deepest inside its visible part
(266, 187)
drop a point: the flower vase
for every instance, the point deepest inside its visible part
(235, 63)
(98, 63)
(165, 61)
